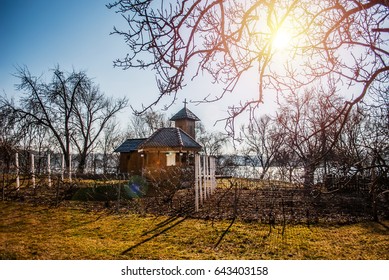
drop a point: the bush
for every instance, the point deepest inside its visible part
(136, 187)
(101, 193)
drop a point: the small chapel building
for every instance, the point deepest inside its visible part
(166, 148)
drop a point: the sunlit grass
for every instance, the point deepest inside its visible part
(43, 180)
(39, 232)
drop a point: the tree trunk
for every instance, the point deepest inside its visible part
(82, 163)
(309, 172)
(105, 162)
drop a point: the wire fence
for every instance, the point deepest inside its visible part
(42, 179)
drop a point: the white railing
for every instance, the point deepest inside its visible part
(205, 180)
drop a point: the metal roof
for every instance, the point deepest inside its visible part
(185, 114)
(130, 145)
(170, 137)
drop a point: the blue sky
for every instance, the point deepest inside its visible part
(74, 34)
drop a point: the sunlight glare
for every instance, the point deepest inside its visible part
(281, 40)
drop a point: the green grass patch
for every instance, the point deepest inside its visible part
(71, 232)
(134, 188)
(102, 193)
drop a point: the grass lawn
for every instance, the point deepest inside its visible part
(41, 232)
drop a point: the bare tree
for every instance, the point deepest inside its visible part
(263, 140)
(331, 39)
(9, 130)
(376, 142)
(111, 138)
(349, 151)
(143, 125)
(362, 150)
(9, 137)
(212, 142)
(310, 125)
(92, 112)
(37, 140)
(287, 163)
(70, 107)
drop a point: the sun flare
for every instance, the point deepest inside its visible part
(281, 40)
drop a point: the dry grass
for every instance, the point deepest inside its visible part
(39, 232)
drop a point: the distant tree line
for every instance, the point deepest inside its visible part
(68, 115)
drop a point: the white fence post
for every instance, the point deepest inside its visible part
(205, 181)
(70, 167)
(200, 181)
(197, 186)
(48, 170)
(208, 174)
(205, 176)
(212, 163)
(33, 170)
(63, 167)
(17, 171)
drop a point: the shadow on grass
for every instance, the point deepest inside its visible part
(379, 228)
(177, 218)
(42, 215)
(224, 233)
(27, 208)
(172, 222)
(385, 224)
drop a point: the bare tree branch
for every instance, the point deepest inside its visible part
(226, 39)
